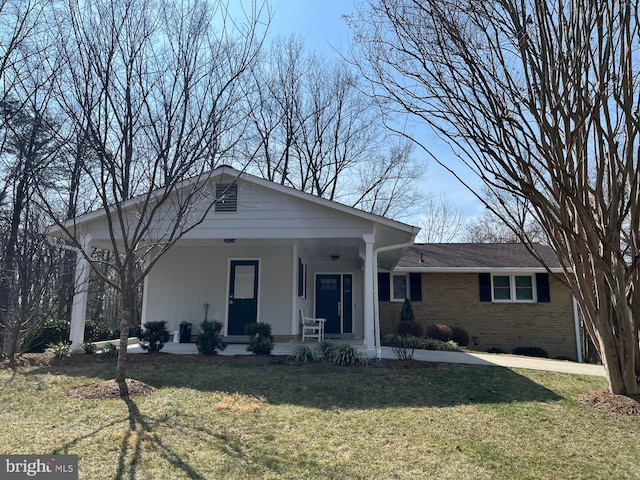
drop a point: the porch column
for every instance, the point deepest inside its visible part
(79, 307)
(369, 299)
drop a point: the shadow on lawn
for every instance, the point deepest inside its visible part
(417, 384)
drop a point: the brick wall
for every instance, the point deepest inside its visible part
(453, 299)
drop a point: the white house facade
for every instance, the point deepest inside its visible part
(263, 253)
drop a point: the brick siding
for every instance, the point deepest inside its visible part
(453, 299)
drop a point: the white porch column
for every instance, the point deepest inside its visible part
(369, 299)
(79, 307)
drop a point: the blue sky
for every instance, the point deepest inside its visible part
(320, 24)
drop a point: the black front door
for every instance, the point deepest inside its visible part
(334, 299)
(243, 295)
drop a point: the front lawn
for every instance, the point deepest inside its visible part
(251, 418)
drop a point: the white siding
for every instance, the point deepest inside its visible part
(186, 278)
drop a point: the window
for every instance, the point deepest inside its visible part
(501, 287)
(513, 288)
(524, 288)
(302, 279)
(226, 197)
(400, 291)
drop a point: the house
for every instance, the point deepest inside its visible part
(262, 253)
(500, 293)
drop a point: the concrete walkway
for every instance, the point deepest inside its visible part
(471, 358)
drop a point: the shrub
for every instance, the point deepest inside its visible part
(109, 350)
(345, 354)
(434, 344)
(326, 349)
(409, 329)
(89, 348)
(565, 358)
(304, 354)
(440, 332)
(96, 331)
(406, 314)
(460, 336)
(261, 341)
(53, 331)
(60, 349)
(495, 350)
(531, 352)
(403, 346)
(134, 331)
(209, 340)
(154, 336)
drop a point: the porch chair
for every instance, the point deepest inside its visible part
(312, 327)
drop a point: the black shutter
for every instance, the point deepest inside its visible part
(484, 279)
(300, 278)
(542, 285)
(415, 287)
(384, 286)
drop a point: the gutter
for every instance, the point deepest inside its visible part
(376, 302)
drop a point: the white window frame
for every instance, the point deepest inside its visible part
(393, 290)
(512, 287)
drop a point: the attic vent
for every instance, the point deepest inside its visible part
(226, 197)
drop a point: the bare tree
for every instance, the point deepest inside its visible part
(441, 221)
(540, 100)
(313, 129)
(157, 90)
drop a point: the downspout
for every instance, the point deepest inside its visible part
(376, 302)
(576, 324)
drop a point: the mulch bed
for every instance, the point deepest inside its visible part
(109, 390)
(603, 400)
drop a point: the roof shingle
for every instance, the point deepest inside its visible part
(476, 255)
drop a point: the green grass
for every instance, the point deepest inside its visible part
(278, 421)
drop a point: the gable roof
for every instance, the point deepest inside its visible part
(476, 257)
(226, 171)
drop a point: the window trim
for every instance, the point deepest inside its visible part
(512, 287)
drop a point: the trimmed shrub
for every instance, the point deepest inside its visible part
(495, 350)
(403, 346)
(95, 331)
(209, 340)
(154, 336)
(261, 341)
(409, 328)
(531, 352)
(460, 336)
(134, 331)
(406, 314)
(439, 331)
(53, 331)
(433, 344)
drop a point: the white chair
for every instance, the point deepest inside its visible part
(312, 327)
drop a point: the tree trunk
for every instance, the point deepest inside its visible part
(125, 323)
